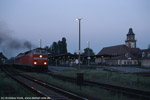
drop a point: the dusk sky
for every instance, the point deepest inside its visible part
(105, 22)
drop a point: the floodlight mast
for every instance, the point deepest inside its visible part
(79, 19)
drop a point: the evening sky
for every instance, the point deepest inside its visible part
(105, 22)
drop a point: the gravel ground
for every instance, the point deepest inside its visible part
(49, 92)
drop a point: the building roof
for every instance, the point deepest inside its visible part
(130, 31)
(145, 50)
(121, 52)
(114, 50)
(2, 56)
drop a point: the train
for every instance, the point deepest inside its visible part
(32, 60)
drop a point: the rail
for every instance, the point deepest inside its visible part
(60, 93)
(129, 91)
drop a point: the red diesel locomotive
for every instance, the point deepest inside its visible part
(33, 59)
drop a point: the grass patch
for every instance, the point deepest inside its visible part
(91, 92)
(126, 80)
(10, 88)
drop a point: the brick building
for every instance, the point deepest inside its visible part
(126, 54)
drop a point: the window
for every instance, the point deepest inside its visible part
(37, 51)
(135, 62)
(126, 55)
(143, 54)
(128, 62)
(124, 62)
(44, 52)
(148, 55)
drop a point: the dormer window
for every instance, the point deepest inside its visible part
(143, 54)
(126, 55)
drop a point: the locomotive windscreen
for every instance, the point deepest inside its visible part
(44, 52)
(39, 51)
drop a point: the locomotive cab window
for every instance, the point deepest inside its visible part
(37, 51)
(44, 52)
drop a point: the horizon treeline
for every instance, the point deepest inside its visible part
(57, 48)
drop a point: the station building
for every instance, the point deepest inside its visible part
(125, 54)
(119, 55)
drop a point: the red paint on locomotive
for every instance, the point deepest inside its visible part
(33, 58)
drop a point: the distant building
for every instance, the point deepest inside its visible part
(145, 59)
(2, 58)
(126, 54)
(130, 41)
(69, 59)
(120, 55)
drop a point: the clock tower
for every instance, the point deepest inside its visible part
(130, 41)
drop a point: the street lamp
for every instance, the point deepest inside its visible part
(40, 43)
(79, 19)
(88, 42)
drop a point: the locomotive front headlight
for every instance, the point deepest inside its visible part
(35, 63)
(40, 56)
(45, 63)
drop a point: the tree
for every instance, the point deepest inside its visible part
(64, 46)
(149, 46)
(47, 49)
(88, 52)
(57, 48)
(54, 49)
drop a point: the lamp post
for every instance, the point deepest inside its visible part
(79, 19)
(88, 42)
(40, 43)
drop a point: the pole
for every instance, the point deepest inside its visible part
(40, 43)
(79, 42)
(88, 53)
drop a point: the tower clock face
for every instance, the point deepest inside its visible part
(132, 45)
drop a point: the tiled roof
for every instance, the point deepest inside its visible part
(114, 50)
(119, 52)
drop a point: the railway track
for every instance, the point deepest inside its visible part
(128, 91)
(144, 95)
(41, 88)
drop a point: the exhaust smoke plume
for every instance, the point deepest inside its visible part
(10, 44)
